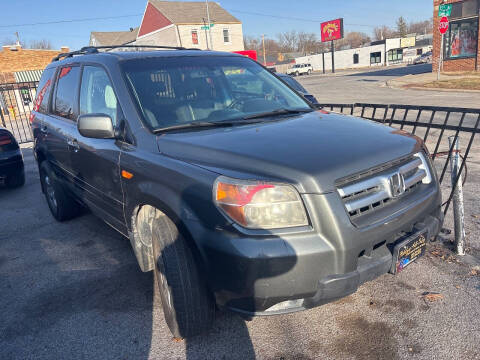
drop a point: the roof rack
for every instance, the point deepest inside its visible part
(94, 49)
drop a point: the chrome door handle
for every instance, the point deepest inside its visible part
(73, 143)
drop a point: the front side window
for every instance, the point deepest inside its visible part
(67, 85)
(461, 39)
(172, 91)
(96, 93)
(226, 36)
(194, 37)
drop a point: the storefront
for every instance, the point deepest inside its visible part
(461, 42)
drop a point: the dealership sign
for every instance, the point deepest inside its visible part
(332, 30)
(445, 10)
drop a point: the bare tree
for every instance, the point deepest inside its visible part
(41, 44)
(288, 41)
(357, 39)
(421, 27)
(383, 32)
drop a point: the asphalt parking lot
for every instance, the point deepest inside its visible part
(74, 291)
(369, 86)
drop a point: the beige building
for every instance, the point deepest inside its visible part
(175, 23)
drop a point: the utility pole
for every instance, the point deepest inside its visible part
(209, 25)
(18, 37)
(206, 37)
(333, 57)
(263, 45)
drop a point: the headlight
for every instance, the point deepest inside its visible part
(259, 205)
(425, 166)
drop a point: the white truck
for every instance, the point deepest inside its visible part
(300, 69)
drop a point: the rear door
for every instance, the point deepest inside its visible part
(60, 125)
(96, 161)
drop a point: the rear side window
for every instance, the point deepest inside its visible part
(96, 94)
(43, 92)
(67, 85)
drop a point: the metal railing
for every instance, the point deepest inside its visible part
(434, 124)
(16, 103)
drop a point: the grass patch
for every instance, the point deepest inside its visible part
(469, 83)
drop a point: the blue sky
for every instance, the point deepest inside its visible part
(358, 16)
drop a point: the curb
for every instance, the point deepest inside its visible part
(404, 86)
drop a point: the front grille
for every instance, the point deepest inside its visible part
(371, 193)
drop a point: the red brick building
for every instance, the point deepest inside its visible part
(461, 44)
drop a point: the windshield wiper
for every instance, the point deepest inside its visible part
(200, 124)
(277, 112)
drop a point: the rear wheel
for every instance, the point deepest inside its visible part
(62, 205)
(187, 304)
(297, 73)
(309, 72)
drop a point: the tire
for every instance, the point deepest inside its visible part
(188, 306)
(62, 206)
(297, 73)
(309, 72)
(17, 180)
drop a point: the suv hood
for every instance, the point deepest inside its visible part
(310, 150)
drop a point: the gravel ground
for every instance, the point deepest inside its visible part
(74, 291)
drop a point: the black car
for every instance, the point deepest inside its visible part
(231, 187)
(12, 172)
(295, 85)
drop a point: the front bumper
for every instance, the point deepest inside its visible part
(286, 272)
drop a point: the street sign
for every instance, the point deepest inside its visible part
(206, 27)
(444, 10)
(443, 26)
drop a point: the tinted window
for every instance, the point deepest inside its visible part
(96, 93)
(43, 92)
(67, 86)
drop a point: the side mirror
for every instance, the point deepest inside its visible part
(97, 126)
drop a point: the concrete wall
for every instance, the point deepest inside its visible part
(235, 31)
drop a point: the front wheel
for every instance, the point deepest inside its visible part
(188, 306)
(297, 73)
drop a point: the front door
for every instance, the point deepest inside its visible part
(96, 161)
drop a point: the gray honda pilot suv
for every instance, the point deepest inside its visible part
(230, 186)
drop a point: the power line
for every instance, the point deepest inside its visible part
(71, 21)
(292, 18)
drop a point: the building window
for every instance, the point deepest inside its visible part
(465, 9)
(395, 55)
(194, 37)
(355, 58)
(226, 36)
(419, 51)
(375, 58)
(461, 39)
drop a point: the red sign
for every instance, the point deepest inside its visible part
(332, 30)
(252, 54)
(443, 26)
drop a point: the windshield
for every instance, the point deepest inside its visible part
(171, 91)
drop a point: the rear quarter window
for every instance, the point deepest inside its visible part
(43, 91)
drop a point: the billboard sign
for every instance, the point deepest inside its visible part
(332, 30)
(407, 42)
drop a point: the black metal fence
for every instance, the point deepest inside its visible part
(431, 123)
(16, 103)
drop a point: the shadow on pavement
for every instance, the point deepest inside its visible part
(400, 71)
